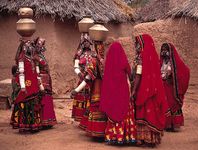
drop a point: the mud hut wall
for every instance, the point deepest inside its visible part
(8, 42)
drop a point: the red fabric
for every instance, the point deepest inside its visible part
(181, 76)
(48, 115)
(183, 73)
(31, 84)
(150, 102)
(176, 90)
(115, 90)
(96, 124)
(94, 121)
(84, 121)
(122, 132)
(169, 91)
(80, 107)
(175, 120)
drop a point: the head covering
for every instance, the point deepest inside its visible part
(151, 82)
(180, 72)
(85, 37)
(39, 44)
(115, 90)
(31, 81)
(150, 102)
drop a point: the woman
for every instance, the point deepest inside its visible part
(85, 68)
(115, 97)
(148, 92)
(175, 75)
(27, 106)
(94, 121)
(48, 117)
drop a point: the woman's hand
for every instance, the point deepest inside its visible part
(73, 94)
(81, 76)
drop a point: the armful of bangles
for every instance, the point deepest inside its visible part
(77, 69)
(22, 76)
(80, 86)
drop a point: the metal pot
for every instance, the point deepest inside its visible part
(98, 32)
(26, 27)
(85, 24)
(25, 12)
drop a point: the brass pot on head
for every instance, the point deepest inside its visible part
(85, 24)
(25, 12)
(98, 32)
(25, 26)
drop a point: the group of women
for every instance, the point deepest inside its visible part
(126, 105)
(32, 88)
(112, 100)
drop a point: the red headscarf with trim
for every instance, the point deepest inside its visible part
(115, 94)
(150, 102)
(180, 73)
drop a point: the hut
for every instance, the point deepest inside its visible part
(56, 21)
(153, 10)
(179, 26)
(188, 8)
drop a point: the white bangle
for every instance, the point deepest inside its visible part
(139, 69)
(21, 66)
(81, 86)
(77, 71)
(37, 69)
(22, 80)
(76, 63)
(41, 87)
(88, 77)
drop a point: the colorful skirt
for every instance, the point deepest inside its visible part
(94, 121)
(84, 121)
(27, 115)
(79, 104)
(48, 117)
(147, 136)
(122, 132)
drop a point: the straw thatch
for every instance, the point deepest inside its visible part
(153, 10)
(189, 8)
(103, 10)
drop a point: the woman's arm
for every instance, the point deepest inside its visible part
(136, 81)
(80, 86)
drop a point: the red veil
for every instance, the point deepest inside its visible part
(115, 94)
(31, 81)
(181, 75)
(150, 102)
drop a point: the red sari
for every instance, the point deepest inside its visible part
(82, 99)
(94, 121)
(150, 103)
(176, 89)
(115, 97)
(27, 106)
(48, 117)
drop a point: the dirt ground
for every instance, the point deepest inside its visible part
(67, 136)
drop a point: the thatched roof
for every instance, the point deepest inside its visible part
(189, 8)
(103, 10)
(153, 10)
